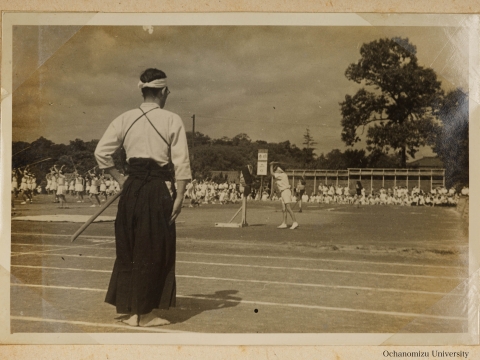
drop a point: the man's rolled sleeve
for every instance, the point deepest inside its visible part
(179, 148)
(107, 145)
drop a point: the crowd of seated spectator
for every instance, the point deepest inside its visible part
(209, 192)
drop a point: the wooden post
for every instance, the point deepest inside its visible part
(261, 187)
(244, 211)
(315, 183)
(395, 178)
(337, 178)
(431, 180)
(371, 183)
(443, 178)
(348, 178)
(383, 178)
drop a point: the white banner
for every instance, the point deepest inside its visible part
(262, 167)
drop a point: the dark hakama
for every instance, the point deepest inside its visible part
(143, 276)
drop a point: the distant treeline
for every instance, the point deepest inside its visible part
(225, 154)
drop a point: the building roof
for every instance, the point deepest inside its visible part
(426, 162)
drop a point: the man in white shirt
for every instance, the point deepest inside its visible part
(155, 144)
(281, 180)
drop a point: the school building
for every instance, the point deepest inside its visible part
(426, 173)
(425, 179)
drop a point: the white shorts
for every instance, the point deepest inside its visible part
(286, 196)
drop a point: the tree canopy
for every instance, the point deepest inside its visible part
(399, 108)
(452, 137)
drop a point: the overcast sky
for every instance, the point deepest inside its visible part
(269, 82)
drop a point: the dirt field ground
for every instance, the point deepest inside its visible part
(346, 269)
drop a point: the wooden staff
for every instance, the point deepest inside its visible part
(28, 147)
(37, 162)
(74, 167)
(94, 216)
(86, 172)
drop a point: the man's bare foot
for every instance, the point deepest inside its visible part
(151, 319)
(132, 320)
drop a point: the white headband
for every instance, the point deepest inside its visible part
(159, 83)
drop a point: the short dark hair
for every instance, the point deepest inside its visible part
(150, 75)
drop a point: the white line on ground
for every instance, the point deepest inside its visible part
(229, 242)
(307, 269)
(64, 235)
(320, 285)
(77, 256)
(256, 256)
(60, 268)
(61, 248)
(323, 260)
(70, 247)
(328, 308)
(85, 323)
(323, 270)
(304, 269)
(316, 307)
(257, 281)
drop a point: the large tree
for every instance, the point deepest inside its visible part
(308, 139)
(308, 150)
(398, 109)
(452, 140)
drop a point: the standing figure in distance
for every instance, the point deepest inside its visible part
(94, 183)
(62, 185)
(54, 184)
(25, 186)
(358, 190)
(300, 191)
(281, 180)
(79, 186)
(156, 153)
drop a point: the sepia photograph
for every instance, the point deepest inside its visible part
(232, 175)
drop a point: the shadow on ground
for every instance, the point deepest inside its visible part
(189, 306)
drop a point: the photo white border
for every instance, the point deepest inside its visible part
(289, 19)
